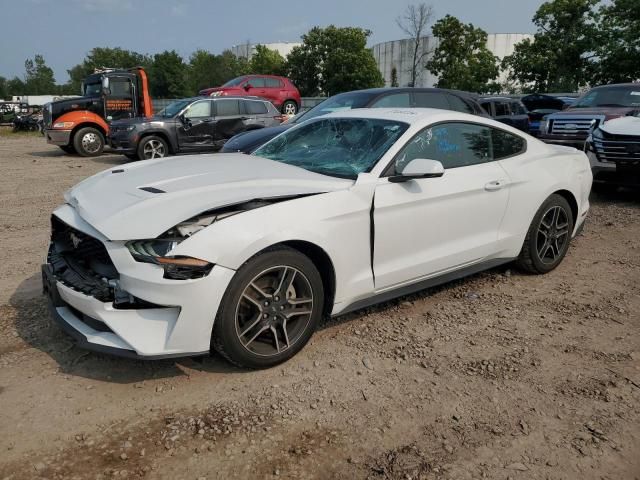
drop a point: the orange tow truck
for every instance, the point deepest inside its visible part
(81, 125)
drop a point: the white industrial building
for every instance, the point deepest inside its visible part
(398, 54)
(247, 50)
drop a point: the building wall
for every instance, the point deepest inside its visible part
(247, 50)
(399, 54)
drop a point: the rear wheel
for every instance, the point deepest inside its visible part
(88, 142)
(68, 149)
(270, 310)
(289, 107)
(548, 238)
(152, 147)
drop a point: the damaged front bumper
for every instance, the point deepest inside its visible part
(111, 303)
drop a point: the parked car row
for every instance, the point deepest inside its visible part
(278, 90)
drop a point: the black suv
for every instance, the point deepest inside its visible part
(371, 98)
(200, 124)
(507, 110)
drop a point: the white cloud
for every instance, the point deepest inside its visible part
(111, 6)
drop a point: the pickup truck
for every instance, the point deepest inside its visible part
(572, 126)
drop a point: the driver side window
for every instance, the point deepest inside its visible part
(453, 144)
(200, 109)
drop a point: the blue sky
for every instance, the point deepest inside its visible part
(65, 30)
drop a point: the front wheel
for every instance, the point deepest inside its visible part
(289, 107)
(152, 147)
(88, 142)
(548, 237)
(270, 310)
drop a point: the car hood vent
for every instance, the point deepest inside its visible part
(152, 190)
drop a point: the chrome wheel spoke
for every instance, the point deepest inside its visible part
(299, 301)
(260, 330)
(284, 330)
(286, 279)
(255, 302)
(292, 313)
(275, 337)
(253, 324)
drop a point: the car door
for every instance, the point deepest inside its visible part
(255, 113)
(196, 129)
(229, 119)
(255, 86)
(430, 226)
(274, 90)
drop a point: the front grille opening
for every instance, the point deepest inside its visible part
(91, 322)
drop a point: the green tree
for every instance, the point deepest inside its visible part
(559, 59)
(4, 93)
(104, 58)
(167, 75)
(38, 77)
(462, 59)
(16, 86)
(618, 42)
(266, 62)
(333, 60)
(394, 77)
(203, 71)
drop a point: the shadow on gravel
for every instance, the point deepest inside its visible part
(629, 196)
(48, 153)
(34, 325)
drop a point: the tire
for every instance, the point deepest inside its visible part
(548, 237)
(152, 147)
(68, 149)
(241, 332)
(289, 107)
(88, 142)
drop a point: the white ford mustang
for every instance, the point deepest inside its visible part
(245, 254)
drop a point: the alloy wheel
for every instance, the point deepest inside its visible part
(553, 235)
(274, 310)
(290, 109)
(154, 149)
(91, 142)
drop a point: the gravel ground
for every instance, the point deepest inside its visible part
(499, 376)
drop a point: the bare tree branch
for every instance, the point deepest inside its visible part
(413, 22)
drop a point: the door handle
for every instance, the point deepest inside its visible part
(494, 186)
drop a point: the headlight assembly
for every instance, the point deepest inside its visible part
(176, 268)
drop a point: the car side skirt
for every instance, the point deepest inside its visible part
(422, 285)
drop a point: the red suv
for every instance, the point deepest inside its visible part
(278, 90)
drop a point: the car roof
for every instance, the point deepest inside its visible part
(383, 90)
(232, 97)
(407, 115)
(498, 97)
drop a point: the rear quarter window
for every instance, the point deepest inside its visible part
(459, 105)
(506, 144)
(255, 107)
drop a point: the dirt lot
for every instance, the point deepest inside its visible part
(499, 376)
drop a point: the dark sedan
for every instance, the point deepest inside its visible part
(199, 124)
(373, 98)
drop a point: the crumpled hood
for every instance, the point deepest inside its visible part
(622, 126)
(178, 188)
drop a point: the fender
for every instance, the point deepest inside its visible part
(78, 117)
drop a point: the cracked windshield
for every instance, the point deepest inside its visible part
(339, 147)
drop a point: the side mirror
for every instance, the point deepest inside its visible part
(105, 86)
(186, 123)
(419, 168)
(247, 86)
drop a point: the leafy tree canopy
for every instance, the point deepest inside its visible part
(333, 60)
(462, 60)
